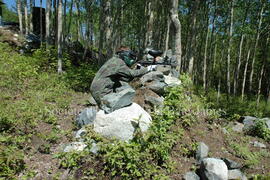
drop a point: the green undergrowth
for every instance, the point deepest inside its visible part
(31, 94)
(147, 155)
(234, 106)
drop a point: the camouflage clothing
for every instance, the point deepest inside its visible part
(110, 75)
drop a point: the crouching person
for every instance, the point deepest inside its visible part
(109, 87)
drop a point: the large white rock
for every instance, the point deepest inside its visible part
(121, 123)
(172, 81)
(213, 169)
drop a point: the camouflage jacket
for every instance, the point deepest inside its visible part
(110, 75)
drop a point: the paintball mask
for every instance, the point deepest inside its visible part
(128, 56)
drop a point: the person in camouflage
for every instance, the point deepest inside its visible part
(112, 76)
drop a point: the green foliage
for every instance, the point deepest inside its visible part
(9, 15)
(30, 95)
(234, 107)
(80, 78)
(261, 130)
(11, 161)
(70, 160)
(261, 177)
(251, 158)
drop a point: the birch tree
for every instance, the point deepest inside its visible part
(19, 11)
(26, 17)
(59, 36)
(229, 50)
(255, 47)
(31, 15)
(48, 12)
(245, 76)
(177, 33)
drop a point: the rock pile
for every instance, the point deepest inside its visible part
(122, 123)
(214, 168)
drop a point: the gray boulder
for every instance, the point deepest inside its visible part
(238, 127)
(121, 123)
(114, 101)
(152, 76)
(258, 144)
(154, 81)
(94, 148)
(156, 86)
(231, 164)
(154, 100)
(236, 174)
(202, 151)
(172, 81)
(191, 176)
(249, 122)
(213, 169)
(92, 101)
(75, 146)
(267, 121)
(165, 69)
(87, 116)
(80, 133)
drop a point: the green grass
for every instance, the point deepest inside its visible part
(29, 95)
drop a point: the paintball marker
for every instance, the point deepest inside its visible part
(156, 53)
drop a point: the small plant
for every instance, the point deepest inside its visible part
(261, 130)
(251, 158)
(70, 160)
(11, 161)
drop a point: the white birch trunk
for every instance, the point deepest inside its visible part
(31, 15)
(26, 17)
(59, 36)
(48, 12)
(260, 85)
(205, 57)
(255, 49)
(235, 84)
(229, 51)
(19, 11)
(177, 25)
(245, 75)
(167, 34)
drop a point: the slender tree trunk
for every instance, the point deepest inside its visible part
(26, 17)
(59, 36)
(215, 57)
(255, 49)
(41, 22)
(268, 99)
(55, 26)
(260, 85)
(150, 24)
(78, 14)
(265, 57)
(31, 15)
(235, 83)
(167, 34)
(65, 23)
(70, 16)
(108, 27)
(101, 33)
(218, 94)
(205, 57)
(177, 33)
(229, 50)
(190, 55)
(245, 75)
(48, 12)
(19, 11)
